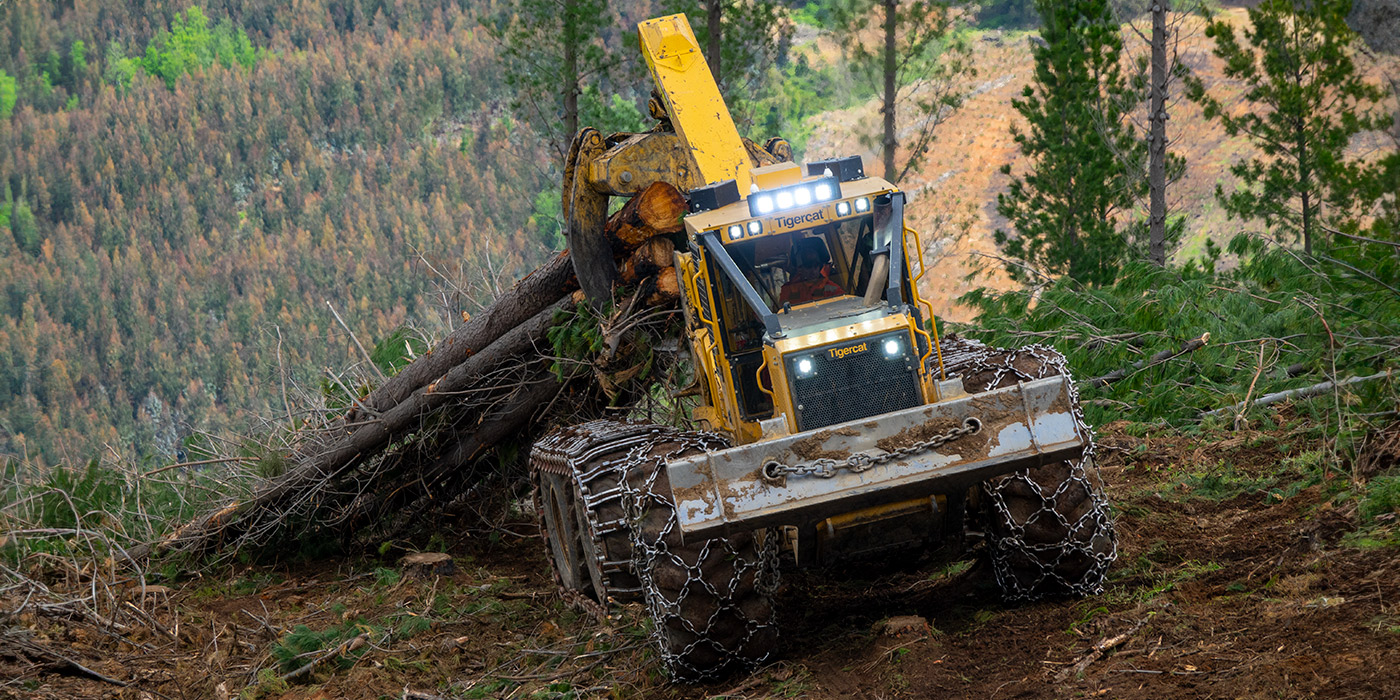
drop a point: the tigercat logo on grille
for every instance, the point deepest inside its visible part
(843, 353)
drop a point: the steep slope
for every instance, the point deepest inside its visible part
(954, 193)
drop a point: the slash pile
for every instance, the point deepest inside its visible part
(421, 441)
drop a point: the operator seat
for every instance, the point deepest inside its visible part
(811, 270)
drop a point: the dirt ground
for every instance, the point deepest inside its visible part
(1244, 571)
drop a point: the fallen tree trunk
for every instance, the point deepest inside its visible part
(1300, 393)
(656, 211)
(1120, 374)
(412, 443)
(328, 461)
(527, 298)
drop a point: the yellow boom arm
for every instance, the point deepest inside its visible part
(693, 101)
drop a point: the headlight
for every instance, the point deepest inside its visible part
(755, 228)
(893, 347)
(824, 192)
(736, 232)
(803, 196)
(805, 367)
(784, 200)
(862, 205)
(843, 208)
(765, 204)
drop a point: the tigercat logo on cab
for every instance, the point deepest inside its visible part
(842, 353)
(786, 222)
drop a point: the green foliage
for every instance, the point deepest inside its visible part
(7, 95)
(124, 507)
(816, 13)
(1008, 14)
(547, 218)
(609, 115)
(190, 45)
(1306, 102)
(298, 647)
(1064, 210)
(395, 351)
(1286, 306)
(118, 70)
(385, 578)
(269, 685)
(1382, 496)
(575, 336)
(24, 227)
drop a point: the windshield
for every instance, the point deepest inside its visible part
(807, 277)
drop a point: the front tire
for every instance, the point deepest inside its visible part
(1049, 532)
(606, 513)
(710, 600)
(1049, 529)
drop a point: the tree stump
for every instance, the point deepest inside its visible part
(427, 564)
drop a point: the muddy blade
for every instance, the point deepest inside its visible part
(1024, 425)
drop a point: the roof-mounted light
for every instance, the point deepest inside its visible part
(794, 196)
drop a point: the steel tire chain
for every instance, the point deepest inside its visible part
(1095, 522)
(636, 471)
(642, 496)
(826, 467)
(564, 453)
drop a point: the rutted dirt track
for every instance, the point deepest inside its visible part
(1237, 578)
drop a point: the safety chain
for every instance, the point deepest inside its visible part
(826, 467)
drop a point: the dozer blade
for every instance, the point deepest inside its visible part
(1022, 426)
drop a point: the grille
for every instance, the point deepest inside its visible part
(860, 385)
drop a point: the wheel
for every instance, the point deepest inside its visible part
(564, 527)
(578, 505)
(605, 510)
(1049, 530)
(710, 600)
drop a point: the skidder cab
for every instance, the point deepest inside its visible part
(832, 428)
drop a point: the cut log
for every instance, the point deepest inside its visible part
(668, 287)
(653, 255)
(656, 211)
(1119, 374)
(1306, 392)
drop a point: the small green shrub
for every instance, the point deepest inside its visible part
(1382, 497)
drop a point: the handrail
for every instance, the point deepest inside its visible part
(933, 322)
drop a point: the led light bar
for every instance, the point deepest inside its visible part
(794, 196)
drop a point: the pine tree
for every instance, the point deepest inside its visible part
(1306, 101)
(1065, 210)
(919, 52)
(550, 53)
